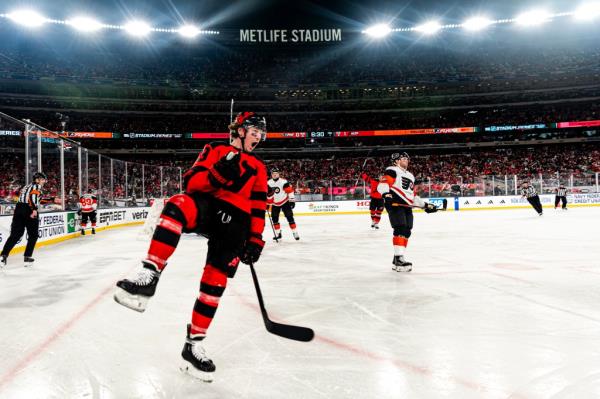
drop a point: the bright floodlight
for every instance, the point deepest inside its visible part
(137, 28)
(84, 24)
(477, 23)
(378, 31)
(189, 31)
(28, 18)
(429, 28)
(533, 18)
(587, 12)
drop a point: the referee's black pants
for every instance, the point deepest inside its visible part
(560, 198)
(535, 202)
(22, 220)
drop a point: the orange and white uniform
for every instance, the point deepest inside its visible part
(280, 192)
(401, 183)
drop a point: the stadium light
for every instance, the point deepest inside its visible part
(378, 31)
(533, 18)
(477, 23)
(189, 31)
(429, 28)
(587, 12)
(27, 18)
(84, 24)
(137, 28)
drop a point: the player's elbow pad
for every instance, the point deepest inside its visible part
(383, 188)
(418, 201)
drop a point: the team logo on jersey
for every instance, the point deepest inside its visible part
(225, 218)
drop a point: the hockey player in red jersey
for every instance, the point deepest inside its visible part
(88, 204)
(376, 203)
(224, 200)
(397, 188)
(281, 198)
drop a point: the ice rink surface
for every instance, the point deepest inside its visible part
(500, 304)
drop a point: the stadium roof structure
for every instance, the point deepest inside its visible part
(376, 19)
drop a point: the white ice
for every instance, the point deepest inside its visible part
(500, 304)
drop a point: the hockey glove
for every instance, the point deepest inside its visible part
(225, 171)
(292, 204)
(364, 176)
(430, 208)
(252, 250)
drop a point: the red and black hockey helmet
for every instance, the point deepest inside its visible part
(247, 120)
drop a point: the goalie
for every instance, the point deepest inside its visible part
(225, 200)
(397, 188)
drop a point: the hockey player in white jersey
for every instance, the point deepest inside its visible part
(88, 204)
(397, 188)
(281, 198)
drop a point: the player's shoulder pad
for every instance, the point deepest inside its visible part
(215, 144)
(253, 155)
(392, 171)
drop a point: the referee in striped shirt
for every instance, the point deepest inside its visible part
(25, 217)
(561, 195)
(532, 197)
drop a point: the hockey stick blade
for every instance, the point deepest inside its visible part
(295, 333)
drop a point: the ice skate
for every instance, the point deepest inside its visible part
(134, 294)
(2, 261)
(401, 265)
(277, 237)
(196, 363)
(296, 235)
(28, 261)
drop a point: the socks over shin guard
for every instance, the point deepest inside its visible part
(212, 286)
(400, 244)
(180, 211)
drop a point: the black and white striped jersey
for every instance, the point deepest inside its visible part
(30, 195)
(529, 192)
(561, 192)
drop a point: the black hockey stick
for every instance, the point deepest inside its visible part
(295, 333)
(273, 227)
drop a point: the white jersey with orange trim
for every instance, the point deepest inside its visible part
(88, 203)
(401, 183)
(280, 192)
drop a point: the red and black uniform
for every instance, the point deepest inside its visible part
(88, 204)
(231, 214)
(376, 205)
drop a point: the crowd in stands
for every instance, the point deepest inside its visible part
(340, 120)
(467, 173)
(246, 66)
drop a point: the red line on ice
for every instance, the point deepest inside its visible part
(40, 349)
(398, 363)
